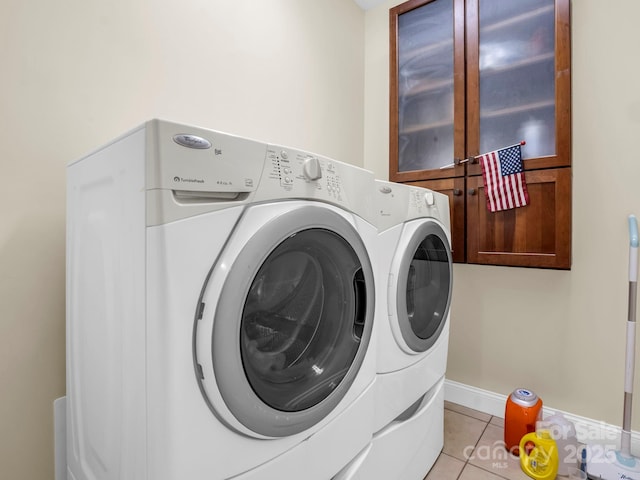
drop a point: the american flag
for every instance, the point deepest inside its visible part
(503, 176)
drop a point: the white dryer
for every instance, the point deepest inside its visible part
(220, 301)
(414, 281)
(415, 277)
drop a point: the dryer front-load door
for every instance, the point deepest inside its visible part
(424, 281)
(292, 322)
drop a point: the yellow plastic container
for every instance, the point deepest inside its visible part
(539, 455)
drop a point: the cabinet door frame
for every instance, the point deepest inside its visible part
(558, 258)
(459, 102)
(562, 158)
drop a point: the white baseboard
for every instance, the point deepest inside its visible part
(476, 398)
(589, 431)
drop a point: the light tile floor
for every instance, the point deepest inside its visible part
(473, 448)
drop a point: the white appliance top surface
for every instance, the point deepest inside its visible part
(396, 203)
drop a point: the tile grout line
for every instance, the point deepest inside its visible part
(466, 462)
(497, 474)
(471, 416)
(482, 468)
(474, 448)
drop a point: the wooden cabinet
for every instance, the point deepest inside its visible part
(472, 76)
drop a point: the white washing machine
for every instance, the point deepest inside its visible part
(414, 281)
(220, 302)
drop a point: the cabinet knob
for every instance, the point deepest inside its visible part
(472, 191)
(457, 192)
(473, 160)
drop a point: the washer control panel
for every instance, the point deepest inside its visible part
(301, 171)
(291, 173)
(420, 201)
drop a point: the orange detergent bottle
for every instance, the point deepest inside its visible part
(522, 410)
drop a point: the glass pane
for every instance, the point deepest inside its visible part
(425, 87)
(517, 76)
(428, 287)
(299, 331)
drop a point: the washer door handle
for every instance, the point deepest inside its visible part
(360, 299)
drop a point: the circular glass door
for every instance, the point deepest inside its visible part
(301, 325)
(292, 323)
(424, 287)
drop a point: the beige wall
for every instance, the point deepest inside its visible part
(77, 73)
(291, 71)
(560, 333)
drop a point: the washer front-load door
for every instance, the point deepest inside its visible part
(292, 321)
(422, 292)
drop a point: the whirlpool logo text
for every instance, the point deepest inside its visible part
(187, 180)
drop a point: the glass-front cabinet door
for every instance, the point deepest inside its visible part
(518, 80)
(428, 89)
(516, 71)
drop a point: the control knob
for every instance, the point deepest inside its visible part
(429, 199)
(311, 168)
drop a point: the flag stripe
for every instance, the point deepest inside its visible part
(498, 178)
(513, 187)
(497, 189)
(508, 190)
(487, 182)
(494, 180)
(524, 193)
(517, 189)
